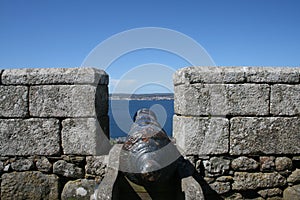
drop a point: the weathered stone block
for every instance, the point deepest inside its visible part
(217, 165)
(244, 164)
(252, 181)
(80, 189)
(204, 74)
(201, 135)
(1, 166)
(29, 137)
(294, 177)
(84, 136)
(283, 163)
(43, 165)
(292, 193)
(272, 75)
(225, 179)
(285, 99)
(68, 100)
(220, 187)
(220, 99)
(66, 169)
(39, 76)
(192, 189)
(270, 135)
(22, 165)
(267, 163)
(96, 165)
(29, 185)
(13, 101)
(270, 192)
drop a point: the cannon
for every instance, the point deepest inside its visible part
(148, 156)
(147, 166)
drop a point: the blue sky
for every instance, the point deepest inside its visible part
(233, 32)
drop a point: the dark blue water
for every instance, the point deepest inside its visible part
(121, 113)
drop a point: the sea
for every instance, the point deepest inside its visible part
(121, 113)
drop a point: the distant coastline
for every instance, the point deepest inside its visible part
(154, 96)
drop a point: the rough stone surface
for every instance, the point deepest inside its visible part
(252, 181)
(283, 163)
(29, 185)
(1, 166)
(235, 196)
(270, 135)
(22, 165)
(84, 136)
(272, 75)
(220, 187)
(29, 137)
(204, 74)
(267, 163)
(294, 177)
(96, 165)
(13, 101)
(225, 179)
(105, 189)
(78, 189)
(192, 189)
(244, 164)
(201, 135)
(209, 179)
(192, 75)
(270, 192)
(36, 76)
(285, 99)
(292, 193)
(217, 165)
(63, 168)
(68, 101)
(77, 160)
(221, 99)
(43, 165)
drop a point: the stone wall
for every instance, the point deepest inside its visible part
(240, 128)
(54, 132)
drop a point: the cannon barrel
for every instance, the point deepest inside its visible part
(148, 156)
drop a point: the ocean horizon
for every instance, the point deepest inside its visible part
(121, 113)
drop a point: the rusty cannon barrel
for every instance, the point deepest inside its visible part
(148, 155)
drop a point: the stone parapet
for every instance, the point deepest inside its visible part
(261, 104)
(191, 75)
(52, 122)
(240, 127)
(50, 76)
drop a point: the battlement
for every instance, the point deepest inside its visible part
(238, 126)
(53, 126)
